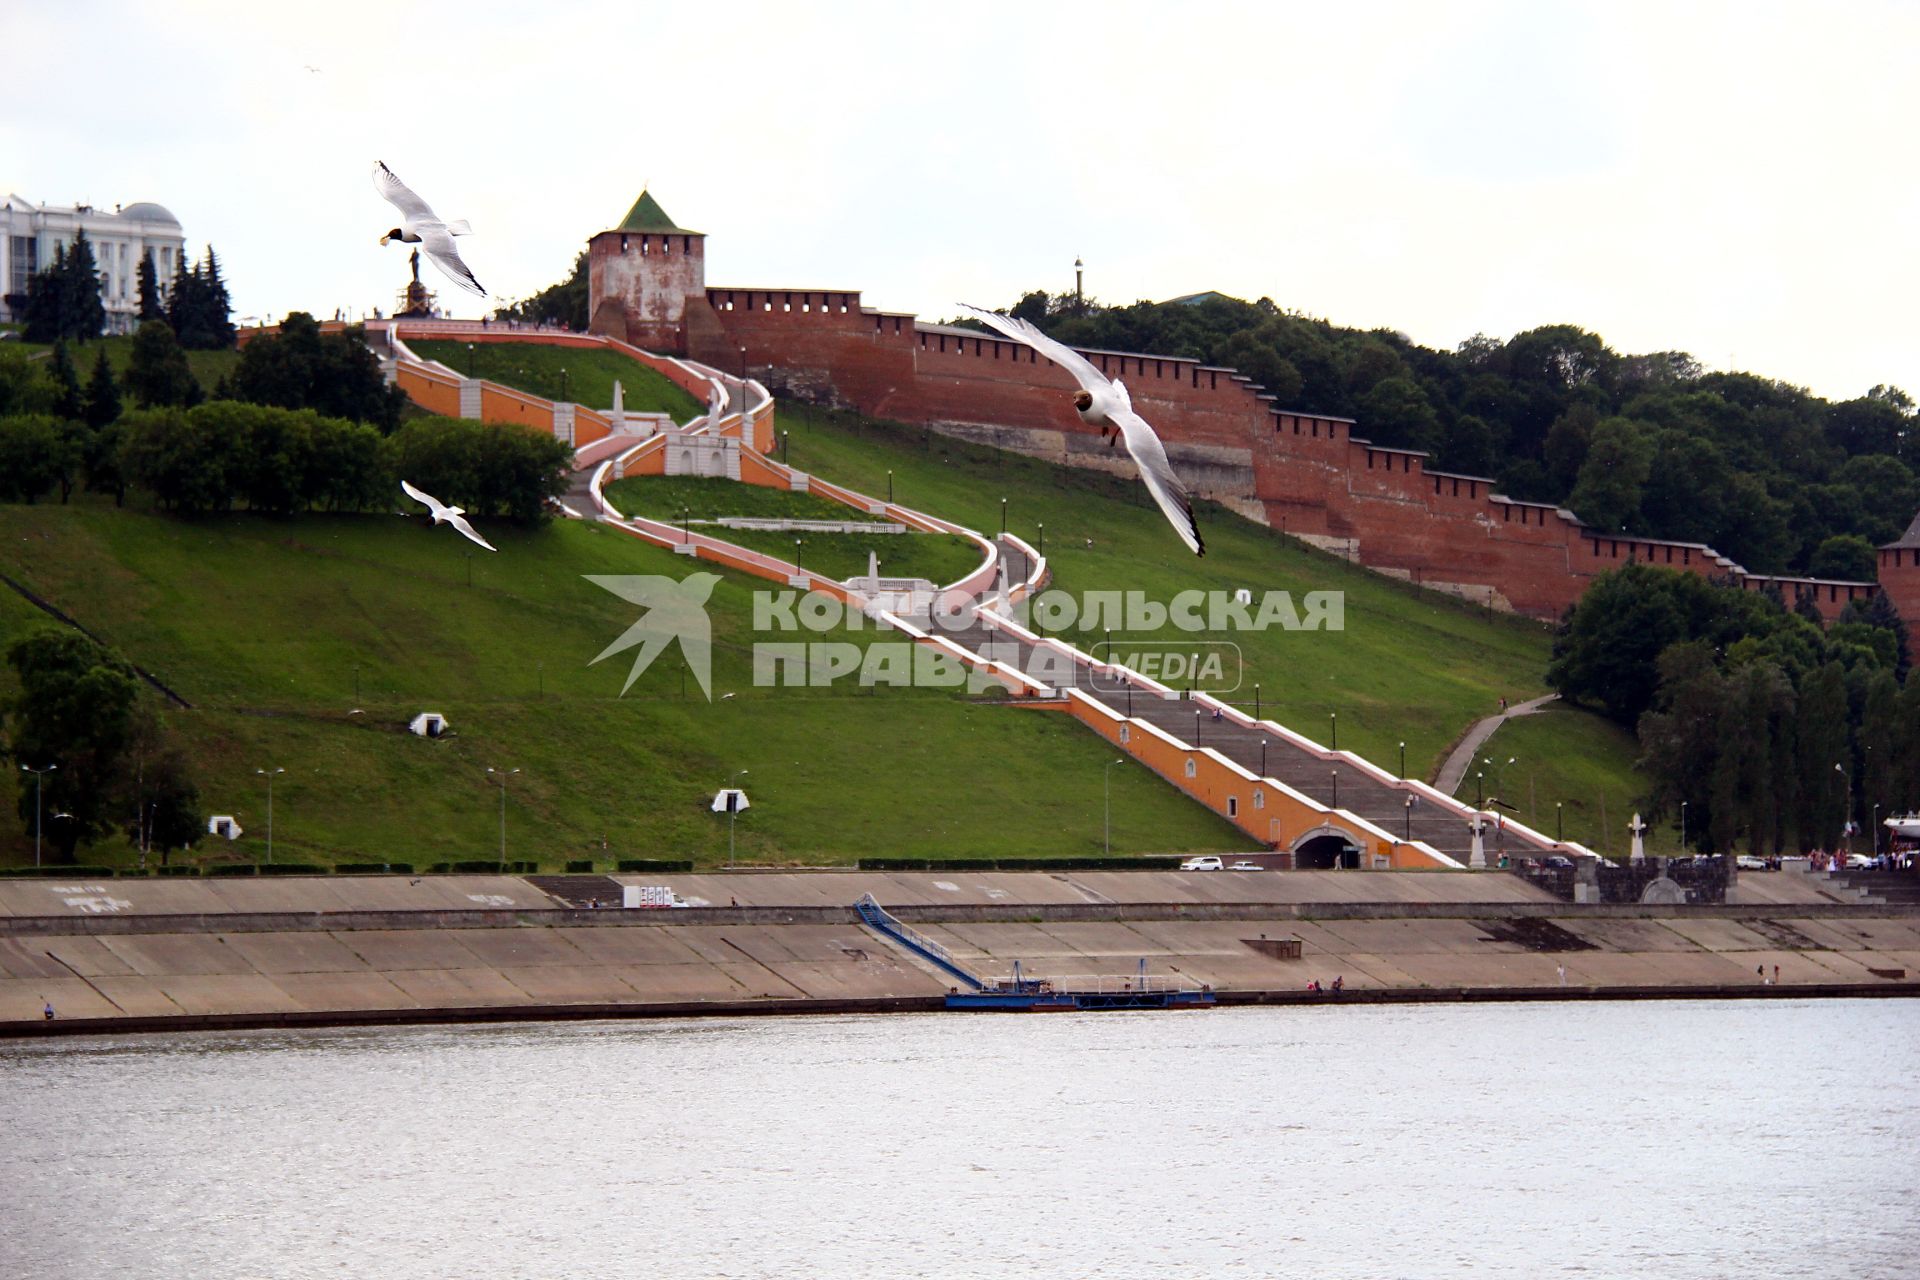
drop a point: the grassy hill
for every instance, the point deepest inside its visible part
(1409, 666)
(278, 631)
(208, 366)
(589, 373)
(1582, 762)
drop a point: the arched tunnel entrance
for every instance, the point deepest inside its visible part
(1326, 852)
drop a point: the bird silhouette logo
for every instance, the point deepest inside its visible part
(674, 611)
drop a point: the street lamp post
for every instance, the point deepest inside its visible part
(1479, 789)
(268, 775)
(1333, 730)
(469, 360)
(1263, 757)
(1683, 826)
(39, 778)
(1043, 540)
(564, 389)
(1403, 760)
(1003, 517)
(798, 572)
(1408, 805)
(1846, 793)
(733, 807)
(1107, 774)
(1336, 789)
(1256, 700)
(889, 486)
(500, 776)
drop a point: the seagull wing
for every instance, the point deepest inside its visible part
(400, 195)
(1165, 486)
(460, 523)
(433, 504)
(1089, 378)
(438, 242)
(716, 402)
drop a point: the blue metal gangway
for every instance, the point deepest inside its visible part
(876, 917)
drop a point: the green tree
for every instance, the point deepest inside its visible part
(302, 368)
(1879, 742)
(1612, 478)
(1822, 735)
(1847, 556)
(1680, 736)
(174, 455)
(151, 305)
(564, 303)
(1397, 412)
(103, 393)
(31, 448)
(157, 369)
(68, 400)
(84, 316)
(74, 711)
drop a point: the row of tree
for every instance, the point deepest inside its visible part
(1764, 471)
(63, 300)
(1771, 731)
(100, 753)
(225, 453)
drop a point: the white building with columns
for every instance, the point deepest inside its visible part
(29, 232)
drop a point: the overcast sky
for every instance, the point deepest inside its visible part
(1735, 181)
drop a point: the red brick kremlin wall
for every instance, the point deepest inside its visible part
(1309, 475)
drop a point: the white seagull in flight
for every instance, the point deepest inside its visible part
(1104, 403)
(444, 514)
(422, 226)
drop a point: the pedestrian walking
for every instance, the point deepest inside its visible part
(47, 1012)
(1561, 969)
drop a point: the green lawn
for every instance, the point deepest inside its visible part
(707, 497)
(584, 375)
(277, 631)
(208, 366)
(1576, 760)
(1410, 665)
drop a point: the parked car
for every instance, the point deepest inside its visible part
(1202, 864)
(1557, 862)
(1747, 862)
(1859, 862)
(1244, 865)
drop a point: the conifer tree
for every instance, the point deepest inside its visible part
(179, 295)
(83, 315)
(216, 308)
(151, 307)
(45, 290)
(68, 402)
(157, 372)
(103, 393)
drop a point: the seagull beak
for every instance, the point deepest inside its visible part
(384, 239)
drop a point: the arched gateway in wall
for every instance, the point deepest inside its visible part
(1325, 848)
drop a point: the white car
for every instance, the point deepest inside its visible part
(1202, 864)
(1244, 865)
(1859, 862)
(1747, 862)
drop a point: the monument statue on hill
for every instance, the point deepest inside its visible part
(416, 300)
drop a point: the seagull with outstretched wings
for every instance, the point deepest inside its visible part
(420, 225)
(1103, 402)
(444, 514)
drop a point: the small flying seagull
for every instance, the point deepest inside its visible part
(1104, 403)
(716, 402)
(422, 226)
(444, 514)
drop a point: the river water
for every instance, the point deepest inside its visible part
(1749, 1139)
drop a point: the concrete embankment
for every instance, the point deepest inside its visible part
(125, 955)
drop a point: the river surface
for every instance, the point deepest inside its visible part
(1745, 1139)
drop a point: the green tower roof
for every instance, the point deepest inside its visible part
(647, 215)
